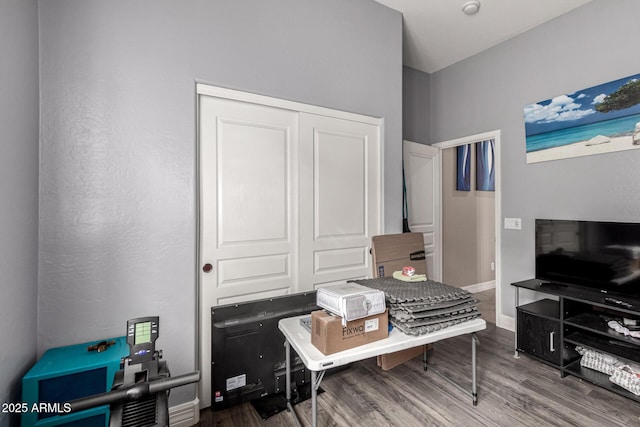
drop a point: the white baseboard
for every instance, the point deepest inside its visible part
(479, 287)
(506, 322)
(186, 414)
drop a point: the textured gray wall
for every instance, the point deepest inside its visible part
(19, 195)
(416, 111)
(593, 44)
(118, 173)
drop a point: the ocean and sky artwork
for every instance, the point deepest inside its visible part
(485, 166)
(463, 181)
(596, 120)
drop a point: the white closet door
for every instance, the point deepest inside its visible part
(422, 176)
(289, 198)
(248, 209)
(340, 198)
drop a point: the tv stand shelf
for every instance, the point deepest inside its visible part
(550, 329)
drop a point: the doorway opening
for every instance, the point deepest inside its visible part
(470, 226)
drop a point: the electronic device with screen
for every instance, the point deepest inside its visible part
(139, 396)
(248, 353)
(602, 256)
(142, 334)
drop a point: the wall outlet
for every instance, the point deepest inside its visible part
(513, 223)
(493, 266)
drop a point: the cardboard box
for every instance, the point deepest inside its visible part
(329, 336)
(391, 360)
(392, 252)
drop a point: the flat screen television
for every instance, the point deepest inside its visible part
(248, 354)
(603, 256)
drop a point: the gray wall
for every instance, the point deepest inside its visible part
(118, 173)
(593, 44)
(416, 108)
(19, 194)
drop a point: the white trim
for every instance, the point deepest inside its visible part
(479, 287)
(494, 134)
(185, 414)
(220, 92)
(507, 322)
(502, 321)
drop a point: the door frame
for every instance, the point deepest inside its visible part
(501, 321)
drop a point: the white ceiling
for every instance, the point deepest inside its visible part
(437, 33)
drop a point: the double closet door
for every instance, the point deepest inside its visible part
(289, 198)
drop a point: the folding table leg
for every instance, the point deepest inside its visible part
(474, 384)
(314, 399)
(287, 349)
(425, 360)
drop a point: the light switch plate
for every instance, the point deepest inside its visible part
(513, 223)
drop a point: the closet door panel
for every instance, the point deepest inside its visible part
(248, 200)
(248, 209)
(340, 198)
(339, 167)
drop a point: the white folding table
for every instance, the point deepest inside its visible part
(299, 338)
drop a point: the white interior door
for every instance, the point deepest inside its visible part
(422, 176)
(340, 198)
(248, 209)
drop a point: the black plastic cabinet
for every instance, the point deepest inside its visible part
(539, 331)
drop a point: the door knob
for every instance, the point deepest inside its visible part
(207, 268)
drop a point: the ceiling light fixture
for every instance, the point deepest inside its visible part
(471, 7)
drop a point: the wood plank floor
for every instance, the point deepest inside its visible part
(487, 304)
(511, 392)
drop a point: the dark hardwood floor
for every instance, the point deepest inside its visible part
(511, 392)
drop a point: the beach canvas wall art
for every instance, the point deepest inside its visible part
(600, 119)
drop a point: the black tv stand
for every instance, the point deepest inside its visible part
(550, 329)
(619, 303)
(551, 285)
